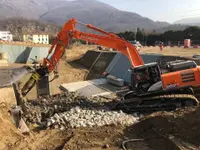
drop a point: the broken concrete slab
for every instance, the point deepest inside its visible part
(90, 88)
(116, 81)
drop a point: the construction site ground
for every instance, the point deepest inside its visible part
(160, 130)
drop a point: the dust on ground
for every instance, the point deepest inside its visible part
(161, 130)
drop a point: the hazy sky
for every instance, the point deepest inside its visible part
(162, 10)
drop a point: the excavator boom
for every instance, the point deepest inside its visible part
(106, 39)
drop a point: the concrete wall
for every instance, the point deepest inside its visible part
(22, 54)
(96, 62)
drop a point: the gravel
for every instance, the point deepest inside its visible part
(78, 117)
(70, 110)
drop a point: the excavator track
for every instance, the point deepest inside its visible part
(167, 102)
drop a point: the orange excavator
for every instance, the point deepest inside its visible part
(150, 89)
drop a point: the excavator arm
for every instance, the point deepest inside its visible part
(63, 39)
(106, 39)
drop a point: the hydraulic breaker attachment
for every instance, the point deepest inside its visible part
(42, 86)
(40, 78)
(30, 83)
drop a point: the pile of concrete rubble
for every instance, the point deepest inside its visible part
(70, 110)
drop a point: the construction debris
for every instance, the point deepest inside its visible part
(70, 110)
(78, 117)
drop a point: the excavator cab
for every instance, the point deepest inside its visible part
(146, 78)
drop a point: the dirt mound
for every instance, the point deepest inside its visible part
(8, 132)
(81, 138)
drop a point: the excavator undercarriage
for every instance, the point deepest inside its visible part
(168, 101)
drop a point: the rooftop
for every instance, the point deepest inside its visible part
(36, 33)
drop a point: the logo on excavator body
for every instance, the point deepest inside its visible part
(89, 38)
(169, 86)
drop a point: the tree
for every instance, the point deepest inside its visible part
(127, 35)
(170, 36)
(140, 35)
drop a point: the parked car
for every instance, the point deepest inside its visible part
(196, 56)
(136, 44)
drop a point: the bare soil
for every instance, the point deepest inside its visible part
(161, 130)
(175, 51)
(171, 130)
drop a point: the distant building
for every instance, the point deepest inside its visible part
(36, 38)
(6, 36)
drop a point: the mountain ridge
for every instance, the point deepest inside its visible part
(89, 11)
(189, 21)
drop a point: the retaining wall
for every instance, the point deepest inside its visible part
(96, 62)
(22, 54)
